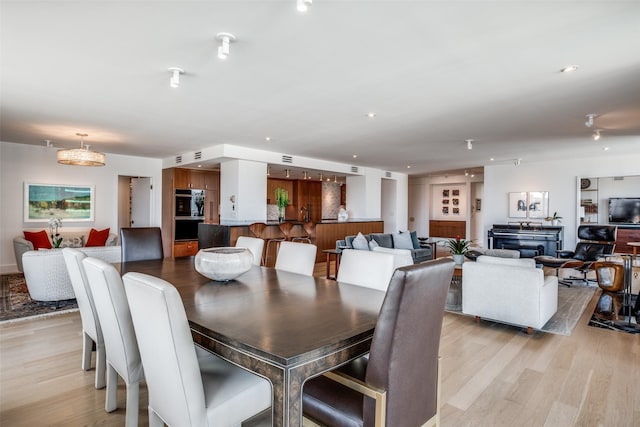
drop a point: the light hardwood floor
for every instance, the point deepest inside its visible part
(493, 375)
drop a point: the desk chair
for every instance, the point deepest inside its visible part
(91, 331)
(141, 243)
(185, 391)
(401, 374)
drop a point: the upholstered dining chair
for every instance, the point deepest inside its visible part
(366, 268)
(254, 244)
(123, 356)
(91, 331)
(185, 391)
(141, 243)
(296, 257)
(401, 376)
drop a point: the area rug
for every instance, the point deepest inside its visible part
(571, 304)
(15, 303)
(605, 316)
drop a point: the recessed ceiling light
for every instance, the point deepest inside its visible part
(491, 159)
(199, 166)
(355, 156)
(569, 68)
(268, 138)
(371, 115)
(605, 149)
(408, 166)
(596, 135)
(303, 5)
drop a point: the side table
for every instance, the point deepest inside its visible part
(338, 254)
(427, 241)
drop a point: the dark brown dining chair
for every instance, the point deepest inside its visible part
(141, 244)
(399, 383)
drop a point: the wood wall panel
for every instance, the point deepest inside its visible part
(328, 233)
(626, 235)
(448, 229)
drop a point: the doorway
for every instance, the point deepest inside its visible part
(134, 201)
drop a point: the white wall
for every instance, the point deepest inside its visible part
(20, 163)
(246, 181)
(558, 177)
(388, 206)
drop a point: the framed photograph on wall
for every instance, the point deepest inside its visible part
(445, 201)
(518, 204)
(456, 202)
(456, 211)
(445, 210)
(445, 193)
(68, 202)
(455, 192)
(538, 204)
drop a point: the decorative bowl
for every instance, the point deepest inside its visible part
(223, 264)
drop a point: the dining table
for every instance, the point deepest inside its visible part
(282, 326)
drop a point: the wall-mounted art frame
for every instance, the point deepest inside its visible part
(532, 204)
(68, 202)
(518, 204)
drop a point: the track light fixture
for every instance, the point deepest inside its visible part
(590, 118)
(303, 5)
(466, 173)
(596, 135)
(335, 178)
(269, 171)
(175, 76)
(516, 162)
(286, 173)
(304, 174)
(225, 40)
(321, 177)
(469, 144)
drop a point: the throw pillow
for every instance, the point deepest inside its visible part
(360, 243)
(39, 239)
(402, 240)
(373, 244)
(97, 238)
(72, 242)
(414, 240)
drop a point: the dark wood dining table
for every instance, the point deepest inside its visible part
(283, 326)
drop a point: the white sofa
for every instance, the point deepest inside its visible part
(45, 271)
(508, 290)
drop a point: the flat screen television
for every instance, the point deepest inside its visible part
(624, 210)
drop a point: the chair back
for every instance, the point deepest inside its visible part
(90, 323)
(366, 268)
(170, 363)
(597, 240)
(257, 229)
(610, 276)
(310, 229)
(296, 257)
(141, 243)
(115, 318)
(285, 229)
(404, 353)
(254, 244)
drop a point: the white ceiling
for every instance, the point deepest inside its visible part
(434, 72)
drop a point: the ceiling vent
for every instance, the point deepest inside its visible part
(387, 174)
(178, 159)
(287, 159)
(197, 155)
(618, 178)
(354, 169)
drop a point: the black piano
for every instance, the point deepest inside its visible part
(530, 239)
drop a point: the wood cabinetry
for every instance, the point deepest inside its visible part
(448, 229)
(626, 235)
(180, 178)
(308, 196)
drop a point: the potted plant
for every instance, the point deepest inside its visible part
(282, 200)
(555, 219)
(54, 224)
(458, 247)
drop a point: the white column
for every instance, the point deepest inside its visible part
(364, 195)
(243, 191)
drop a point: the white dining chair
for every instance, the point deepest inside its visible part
(123, 356)
(254, 244)
(185, 391)
(366, 268)
(91, 331)
(296, 257)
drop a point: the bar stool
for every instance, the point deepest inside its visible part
(310, 233)
(259, 230)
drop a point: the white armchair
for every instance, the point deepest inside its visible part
(508, 290)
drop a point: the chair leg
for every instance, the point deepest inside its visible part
(87, 344)
(154, 419)
(133, 397)
(101, 366)
(111, 397)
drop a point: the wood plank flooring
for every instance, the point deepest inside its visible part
(493, 375)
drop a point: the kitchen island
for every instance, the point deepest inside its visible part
(327, 232)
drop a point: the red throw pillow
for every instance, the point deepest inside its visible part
(97, 238)
(39, 239)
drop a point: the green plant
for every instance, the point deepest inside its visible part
(458, 246)
(282, 199)
(555, 217)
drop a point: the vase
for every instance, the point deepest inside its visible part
(458, 259)
(554, 222)
(223, 264)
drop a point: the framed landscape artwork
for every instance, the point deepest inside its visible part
(67, 202)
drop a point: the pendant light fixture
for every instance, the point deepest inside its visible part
(81, 156)
(225, 40)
